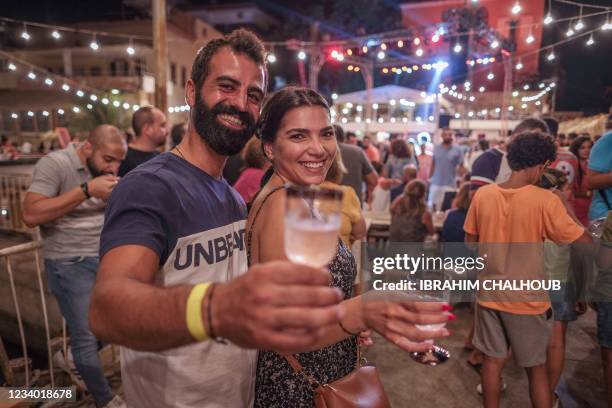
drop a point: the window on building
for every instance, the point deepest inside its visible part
(96, 71)
(119, 67)
(173, 73)
(183, 76)
(140, 66)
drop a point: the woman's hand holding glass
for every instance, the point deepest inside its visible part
(397, 321)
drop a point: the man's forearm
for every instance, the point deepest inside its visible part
(140, 316)
(45, 210)
(599, 180)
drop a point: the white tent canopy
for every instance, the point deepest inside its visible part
(383, 94)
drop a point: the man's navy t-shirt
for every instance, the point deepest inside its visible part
(196, 225)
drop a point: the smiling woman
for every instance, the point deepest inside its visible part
(298, 139)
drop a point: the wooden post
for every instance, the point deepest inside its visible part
(161, 54)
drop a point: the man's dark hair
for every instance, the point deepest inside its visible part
(339, 133)
(483, 144)
(240, 41)
(529, 149)
(531, 124)
(141, 117)
(553, 125)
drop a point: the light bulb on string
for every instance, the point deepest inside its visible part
(56, 35)
(60, 111)
(494, 44)
(24, 34)
(516, 8)
(548, 19)
(383, 46)
(551, 56)
(530, 38)
(66, 87)
(400, 44)
(364, 49)
(519, 65)
(301, 55)
(579, 25)
(271, 58)
(419, 52)
(570, 31)
(130, 48)
(49, 81)
(590, 41)
(457, 48)
(31, 75)
(607, 26)
(380, 55)
(94, 44)
(12, 67)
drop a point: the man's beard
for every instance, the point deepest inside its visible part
(221, 139)
(95, 172)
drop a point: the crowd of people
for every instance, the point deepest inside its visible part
(158, 253)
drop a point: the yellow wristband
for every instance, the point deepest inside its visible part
(193, 312)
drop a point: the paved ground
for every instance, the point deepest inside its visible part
(453, 384)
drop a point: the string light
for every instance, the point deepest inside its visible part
(130, 49)
(590, 41)
(89, 106)
(56, 35)
(526, 87)
(457, 48)
(66, 87)
(380, 55)
(515, 94)
(516, 8)
(60, 111)
(301, 55)
(12, 67)
(116, 104)
(530, 38)
(519, 65)
(551, 56)
(94, 44)
(383, 46)
(93, 97)
(400, 44)
(490, 76)
(570, 30)
(416, 41)
(14, 115)
(115, 91)
(579, 25)
(419, 52)
(30, 113)
(495, 44)
(80, 93)
(24, 34)
(607, 26)
(548, 19)
(105, 101)
(31, 75)
(49, 81)
(271, 58)
(364, 49)
(481, 89)
(76, 109)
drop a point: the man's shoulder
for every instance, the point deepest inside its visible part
(350, 149)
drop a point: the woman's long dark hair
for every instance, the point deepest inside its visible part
(277, 106)
(574, 147)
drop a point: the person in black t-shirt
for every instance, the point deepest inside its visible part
(150, 129)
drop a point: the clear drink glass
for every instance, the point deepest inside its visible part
(437, 354)
(312, 222)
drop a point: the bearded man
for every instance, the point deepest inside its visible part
(67, 198)
(173, 287)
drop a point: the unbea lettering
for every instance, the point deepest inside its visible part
(215, 250)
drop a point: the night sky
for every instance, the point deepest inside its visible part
(585, 72)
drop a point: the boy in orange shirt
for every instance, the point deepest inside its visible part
(501, 218)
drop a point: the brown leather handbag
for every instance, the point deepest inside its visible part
(361, 388)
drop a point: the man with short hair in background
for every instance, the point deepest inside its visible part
(67, 199)
(150, 132)
(447, 163)
(359, 168)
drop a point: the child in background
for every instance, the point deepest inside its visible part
(410, 219)
(501, 216)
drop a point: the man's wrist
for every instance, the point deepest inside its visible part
(85, 189)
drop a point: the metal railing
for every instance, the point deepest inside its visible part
(12, 192)
(5, 254)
